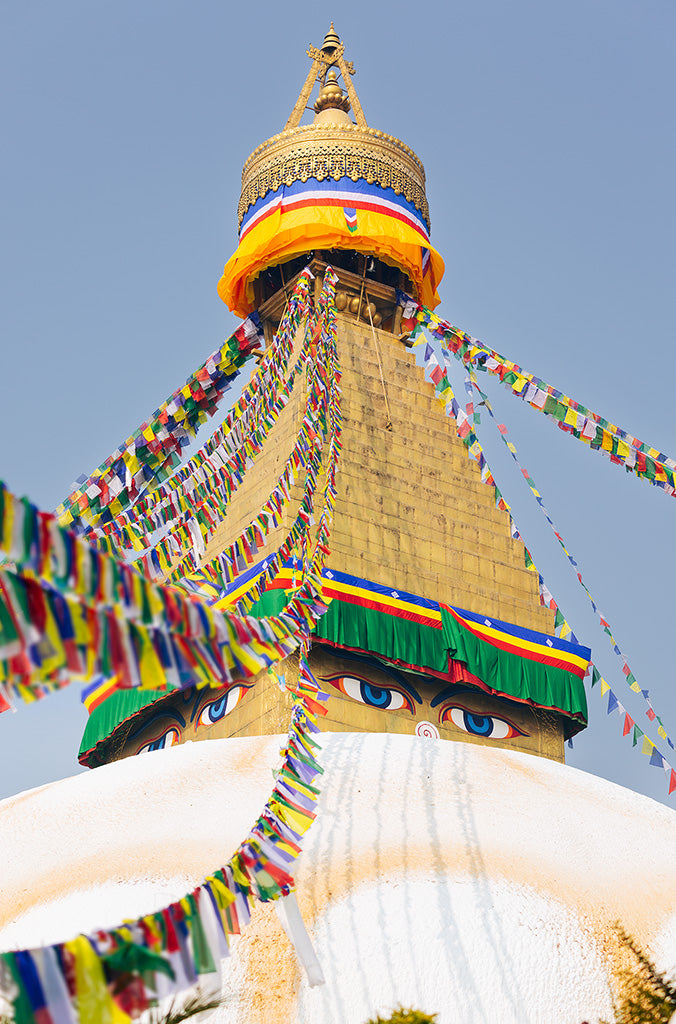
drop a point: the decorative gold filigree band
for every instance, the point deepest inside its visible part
(332, 159)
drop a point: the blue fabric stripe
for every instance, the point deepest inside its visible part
(519, 632)
(358, 188)
(553, 642)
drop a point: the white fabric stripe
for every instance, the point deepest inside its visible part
(342, 197)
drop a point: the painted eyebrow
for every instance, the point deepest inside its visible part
(166, 713)
(407, 686)
(389, 670)
(450, 691)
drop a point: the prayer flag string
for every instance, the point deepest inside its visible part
(153, 449)
(115, 974)
(206, 503)
(69, 610)
(465, 420)
(572, 417)
(626, 671)
(210, 477)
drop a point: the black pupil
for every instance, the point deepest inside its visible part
(216, 710)
(375, 696)
(481, 725)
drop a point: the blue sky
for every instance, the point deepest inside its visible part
(546, 131)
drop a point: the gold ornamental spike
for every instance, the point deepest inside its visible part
(330, 55)
(331, 96)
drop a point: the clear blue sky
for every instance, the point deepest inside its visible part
(547, 135)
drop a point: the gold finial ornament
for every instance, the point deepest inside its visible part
(331, 95)
(335, 183)
(332, 146)
(331, 40)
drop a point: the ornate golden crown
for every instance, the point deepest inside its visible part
(332, 146)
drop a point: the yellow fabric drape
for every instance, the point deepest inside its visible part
(282, 235)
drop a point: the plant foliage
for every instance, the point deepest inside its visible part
(190, 1008)
(402, 1016)
(646, 996)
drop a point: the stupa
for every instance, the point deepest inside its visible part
(456, 864)
(414, 527)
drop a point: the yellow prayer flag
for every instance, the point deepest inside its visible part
(6, 538)
(300, 822)
(648, 747)
(224, 895)
(118, 1015)
(604, 687)
(239, 876)
(153, 676)
(94, 1002)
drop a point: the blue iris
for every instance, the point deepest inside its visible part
(375, 696)
(216, 710)
(480, 725)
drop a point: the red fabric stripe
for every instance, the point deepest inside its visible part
(378, 606)
(522, 652)
(299, 204)
(105, 693)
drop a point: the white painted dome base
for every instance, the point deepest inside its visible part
(462, 880)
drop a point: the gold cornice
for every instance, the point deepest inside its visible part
(291, 134)
(332, 151)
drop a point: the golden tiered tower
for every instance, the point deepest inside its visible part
(412, 514)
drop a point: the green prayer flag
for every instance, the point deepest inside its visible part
(23, 1011)
(204, 962)
(130, 958)
(8, 632)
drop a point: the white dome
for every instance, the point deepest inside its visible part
(472, 882)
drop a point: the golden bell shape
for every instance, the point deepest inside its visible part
(331, 40)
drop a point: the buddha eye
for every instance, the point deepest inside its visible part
(489, 726)
(168, 739)
(217, 709)
(387, 698)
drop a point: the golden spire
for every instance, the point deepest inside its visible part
(330, 56)
(331, 40)
(332, 142)
(335, 146)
